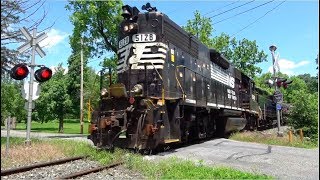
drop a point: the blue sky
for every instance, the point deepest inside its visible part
(293, 27)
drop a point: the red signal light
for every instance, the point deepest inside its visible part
(285, 84)
(19, 72)
(131, 100)
(43, 74)
(279, 83)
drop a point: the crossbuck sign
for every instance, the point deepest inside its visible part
(32, 41)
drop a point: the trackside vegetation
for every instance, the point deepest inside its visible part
(172, 168)
(273, 139)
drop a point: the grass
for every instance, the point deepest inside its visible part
(19, 154)
(273, 139)
(70, 126)
(172, 168)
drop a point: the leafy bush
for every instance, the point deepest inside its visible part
(304, 113)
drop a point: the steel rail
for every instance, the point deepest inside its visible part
(93, 170)
(27, 168)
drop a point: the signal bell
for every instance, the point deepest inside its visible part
(19, 72)
(43, 74)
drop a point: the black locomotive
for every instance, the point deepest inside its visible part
(172, 89)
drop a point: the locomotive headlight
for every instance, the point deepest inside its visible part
(104, 92)
(125, 28)
(137, 89)
(131, 26)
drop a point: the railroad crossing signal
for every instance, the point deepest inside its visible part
(43, 74)
(278, 97)
(32, 41)
(19, 72)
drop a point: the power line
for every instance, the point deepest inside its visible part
(175, 9)
(258, 19)
(221, 8)
(226, 10)
(93, 61)
(243, 12)
(231, 9)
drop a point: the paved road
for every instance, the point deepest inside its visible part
(278, 161)
(15, 133)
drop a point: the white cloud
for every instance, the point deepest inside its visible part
(54, 69)
(54, 37)
(288, 67)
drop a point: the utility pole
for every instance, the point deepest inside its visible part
(81, 91)
(273, 48)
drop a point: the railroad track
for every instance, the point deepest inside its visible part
(88, 171)
(58, 162)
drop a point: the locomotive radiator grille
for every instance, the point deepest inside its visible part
(153, 55)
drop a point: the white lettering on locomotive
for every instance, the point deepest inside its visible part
(220, 75)
(141, 56)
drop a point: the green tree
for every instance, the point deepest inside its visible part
(54, 101)
(201, 28)
(12, 103)
(91, 89)
(304, 113)
(297, 85)
(311, 82)
(244, 54)
(74, 80)
(98, 22)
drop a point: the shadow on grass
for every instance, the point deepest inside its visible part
(74, 121)
(42, 129)
(68, 136)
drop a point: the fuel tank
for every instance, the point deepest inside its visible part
(235, 124)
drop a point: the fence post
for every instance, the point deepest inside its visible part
(301, 134)
(290, 136)
(8, 135)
